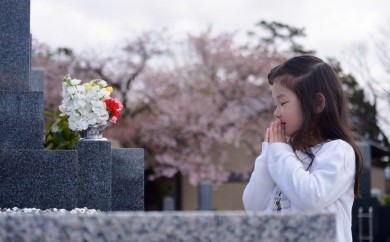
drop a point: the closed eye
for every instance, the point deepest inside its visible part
(283, 103)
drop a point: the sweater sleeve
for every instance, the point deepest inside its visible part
(332, 175)
(259, 188)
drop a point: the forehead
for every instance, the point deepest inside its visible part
(279, 91)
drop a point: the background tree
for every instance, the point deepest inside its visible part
(184, 112)
(188, 103)
(371, 63)
(279, 38)
(215, 98)
(364, 114)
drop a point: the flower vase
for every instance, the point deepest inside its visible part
(93, 132)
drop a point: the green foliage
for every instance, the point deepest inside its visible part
(364, 113)
(58, 136)
(386, 199)
(279, 34)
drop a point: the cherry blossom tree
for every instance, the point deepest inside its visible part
(216, 97)
(186, 103)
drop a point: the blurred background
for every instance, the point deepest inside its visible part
(192, 78)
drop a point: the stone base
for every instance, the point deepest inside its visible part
(38, 179)
(175, 226)
(21, 120)
(128, 179)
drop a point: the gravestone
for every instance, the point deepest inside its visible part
(21, 111)
(205, 191)
(29, 175)
(33, 177)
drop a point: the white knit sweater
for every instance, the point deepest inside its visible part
(280, 182)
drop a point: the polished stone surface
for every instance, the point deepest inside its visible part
(128, 179)
(21, 120)
(15, 45)
(38, 179)
(94, 174)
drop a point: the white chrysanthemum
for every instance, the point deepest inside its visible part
(102, 83)
(103, 93)
(84, 104)
(75, 82)
(71, 90)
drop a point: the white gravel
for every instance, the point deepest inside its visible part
(15, 210)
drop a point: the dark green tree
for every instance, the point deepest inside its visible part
(364, 113)
(280, 37)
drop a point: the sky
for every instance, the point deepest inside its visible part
(332, 27)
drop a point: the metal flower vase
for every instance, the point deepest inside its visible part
(93, 132)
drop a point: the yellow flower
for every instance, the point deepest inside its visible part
(109, 89)
(88, 86)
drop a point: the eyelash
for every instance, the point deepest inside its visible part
(281, 104)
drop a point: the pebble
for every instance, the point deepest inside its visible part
(16, 210)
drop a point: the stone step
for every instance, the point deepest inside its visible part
(38, 179)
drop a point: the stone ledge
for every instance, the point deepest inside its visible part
(169, 226)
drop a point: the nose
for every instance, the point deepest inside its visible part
(277, 113)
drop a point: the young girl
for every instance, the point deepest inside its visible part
(310, 160)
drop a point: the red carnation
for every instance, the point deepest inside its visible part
(114, 107)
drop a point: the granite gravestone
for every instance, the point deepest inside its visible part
(31, 176)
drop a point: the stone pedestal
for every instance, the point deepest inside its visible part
(94, 174)
(128, 179)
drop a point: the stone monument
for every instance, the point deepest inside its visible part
(93, 175)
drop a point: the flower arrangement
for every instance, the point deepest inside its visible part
(88, 104)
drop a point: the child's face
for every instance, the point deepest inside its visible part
(288, 108)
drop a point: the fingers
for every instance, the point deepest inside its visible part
(272, 132)
(266, 136)
(283, 131)
(276, 132)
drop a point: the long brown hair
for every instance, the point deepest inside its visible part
(307, 76)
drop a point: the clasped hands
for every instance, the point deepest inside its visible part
(275, 133)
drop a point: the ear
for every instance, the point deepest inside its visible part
(320, 101)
